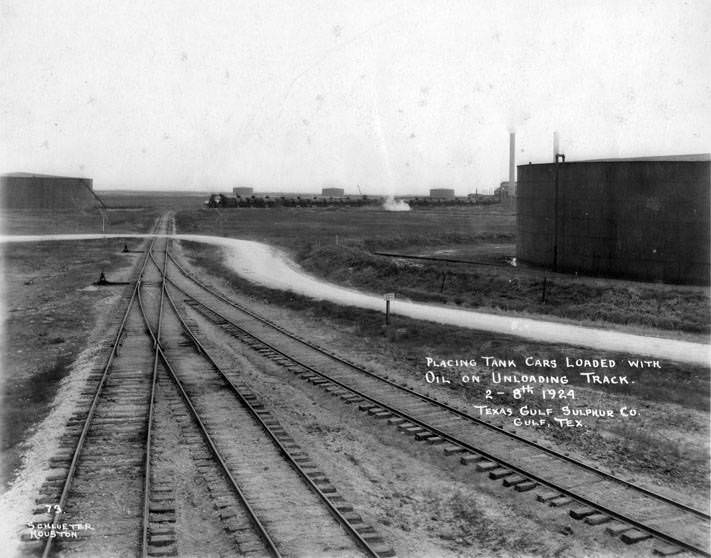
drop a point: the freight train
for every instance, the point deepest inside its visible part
(223, 201)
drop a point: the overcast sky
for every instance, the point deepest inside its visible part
(398, 96)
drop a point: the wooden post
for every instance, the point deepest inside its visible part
(444, 278)
(388, 297)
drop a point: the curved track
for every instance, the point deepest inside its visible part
(155, 329)
(305, 491)
(631, 511)
(285, 494)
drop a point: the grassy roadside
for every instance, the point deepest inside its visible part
(675, 400)
(667, 307)
(338, 245)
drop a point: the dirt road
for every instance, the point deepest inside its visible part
(273, 268)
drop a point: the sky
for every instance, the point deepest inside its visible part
(377, 97)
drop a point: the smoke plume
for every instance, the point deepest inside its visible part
(390, 204)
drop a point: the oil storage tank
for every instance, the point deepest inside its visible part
(644, 219)
(40, 191)
(243, 191)
(442, 193)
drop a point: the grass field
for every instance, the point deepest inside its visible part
(22, 222)
(302, 228)
(52, 308)
(133, 199)
(339, 245)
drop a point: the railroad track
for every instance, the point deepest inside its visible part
(159, 398)
(97, 476)
(598, 498)
(297, 509)
(160, 514)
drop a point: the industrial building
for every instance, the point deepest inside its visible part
(506, 190)
(38, 191)
(242, 191)
(442, 193)
(645, 219)
(333, 192)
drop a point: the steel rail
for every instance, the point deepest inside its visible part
(149, 419)
(262, 532)
(90, 413)
(427, 398)
(310, 483)
(454, 440)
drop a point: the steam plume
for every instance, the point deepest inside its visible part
(390, 204)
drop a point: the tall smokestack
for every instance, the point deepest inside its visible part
(556, 146)
(512, 163)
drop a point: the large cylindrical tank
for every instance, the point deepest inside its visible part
(442, 193)
(242, 191)
(36, 191)
(640, 219)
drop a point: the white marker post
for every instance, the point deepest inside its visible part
(103, 220)
(388, 297)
